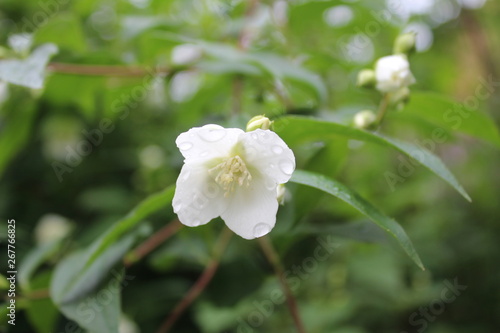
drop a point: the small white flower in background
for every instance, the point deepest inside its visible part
(234, 175)
(364, 119)
(185, 54)
(51, 227)
(20, 43)
(393, 73)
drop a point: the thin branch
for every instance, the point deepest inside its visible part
(384, 105)
(152, 242)
(200, 284)
(274, 260)
(105, 70)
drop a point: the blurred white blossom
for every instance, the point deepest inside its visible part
(393, 73)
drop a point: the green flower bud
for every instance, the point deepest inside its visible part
(400, 96)
(281, 193)
(364, 119)
(405, 43)
(366, 78)
(257, 122)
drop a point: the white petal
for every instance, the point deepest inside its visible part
(198, 199)
(265, 151)
(252, 210)
(205, 143)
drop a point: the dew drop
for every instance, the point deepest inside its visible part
(185, 146)
(177, 207)
(261, 229)
(195, 223)
(212, 134)
(271, 165)
(286, 166)
(185, 176)
(277, 150)
(254, 136)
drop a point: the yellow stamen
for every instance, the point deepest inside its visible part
(232, 170)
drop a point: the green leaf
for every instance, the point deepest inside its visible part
(17, 128)
(33, 260)
(99, 309)
(29, 72)
(295, 130)
(446, 113)
(148, 206)
(78, 278)
(41, 312)
(269, 64)
(347, 195)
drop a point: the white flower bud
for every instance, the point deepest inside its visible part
(259, 122)
(366, 78)
(364, 119)
(393, 73)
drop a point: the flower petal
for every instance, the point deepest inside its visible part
(197, 199)
(252, 210)
(265, 151)
(204, 143)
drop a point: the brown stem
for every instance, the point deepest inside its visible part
(200, 284)
(479, 39)
(273, 258)
(245, 38)
(105, 70)
(152, 242)
(384, 105)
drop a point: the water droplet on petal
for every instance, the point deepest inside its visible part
(212, 134)
(185, 146)
(270, 184)
(177, 207)
(277, 150)
(261, 229)
(195, 223)
(286, 166)
(254, 136)
(185, 176)
(271, 165)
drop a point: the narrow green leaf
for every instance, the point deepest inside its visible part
(148, 206)
(446, 113)
(29, 72)
(33, 260)
(295, 130)
(42, 313)
(347, 195)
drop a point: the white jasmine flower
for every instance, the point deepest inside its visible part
(393, 73)
(234, 175)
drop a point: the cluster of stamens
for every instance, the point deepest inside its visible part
(231, 171)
